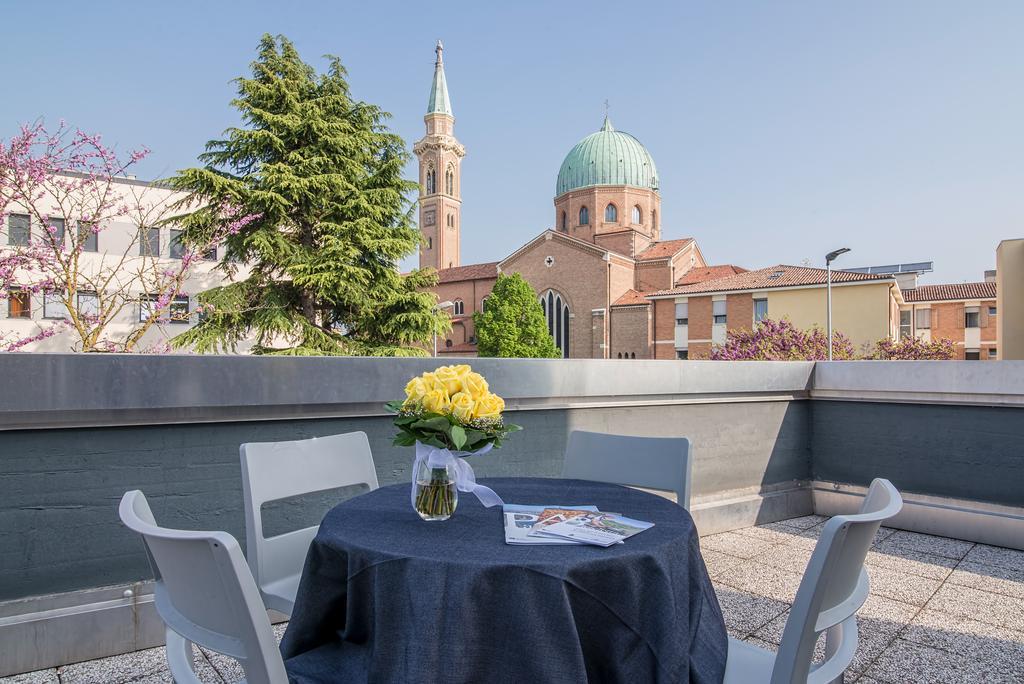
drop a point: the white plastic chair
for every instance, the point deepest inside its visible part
(272, 471)
(834, 587)
(652, 462)
(205, 595)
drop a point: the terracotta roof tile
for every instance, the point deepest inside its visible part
(950, 291)
(663, 249)
(765, 278)
(702, 273)
(468, 272)
(631, 298)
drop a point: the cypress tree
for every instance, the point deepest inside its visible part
(513, 324)
(310, 188)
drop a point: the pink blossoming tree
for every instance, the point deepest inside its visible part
(70, 187)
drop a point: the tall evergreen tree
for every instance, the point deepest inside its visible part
(513, 325)
(311, 188)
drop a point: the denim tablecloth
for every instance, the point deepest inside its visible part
(387, 597)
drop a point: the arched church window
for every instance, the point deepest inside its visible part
(556, 312)
(584, 216)
(611, 214)
(483, 303)
(431, 181)
(654, 220)
(458, 307)
(636, 214)
(449, 181)
(620, 355)
(565, 222)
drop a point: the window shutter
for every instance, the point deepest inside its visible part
(718, 308)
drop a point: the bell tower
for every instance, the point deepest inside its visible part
(440, 156)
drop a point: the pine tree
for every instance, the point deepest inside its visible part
(512, 324)
(312, 187)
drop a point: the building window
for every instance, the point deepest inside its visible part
(972, 355)
(620, 355)
(147, 307)
(53, 306)
(972, 317)
(56, 231)
(176, 247)
(556, 311)
(718, 312)
(654, 220)
(991, 311)
(19, 230)
(430, 243)
(760, 310)
(905, 331)
(637, 215)
(210, 254)
(459, 307)
(88, 236)
(632, 355)
(88, 304)
(565, 222)
(431, 181)
(179, 309)
(449, 181)
(991, 352)
(19, 303)
(483, 303)
(682, 354)
(149, 242)
(611, 214)
(584, 216)
(924, 319)
(682, 313)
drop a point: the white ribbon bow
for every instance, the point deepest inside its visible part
(465, 480)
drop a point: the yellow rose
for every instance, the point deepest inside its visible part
(448, 379)
(436, 401)
(430, 382)
(489, 406)
(462, 406)
(474, 384)
(414, 390)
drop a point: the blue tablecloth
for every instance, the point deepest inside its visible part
(387, 597)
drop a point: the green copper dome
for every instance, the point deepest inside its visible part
(608, 157)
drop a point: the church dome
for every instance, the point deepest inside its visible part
(608, 157)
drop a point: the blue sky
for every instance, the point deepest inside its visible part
(781, 130)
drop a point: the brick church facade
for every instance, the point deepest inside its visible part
(592, 272)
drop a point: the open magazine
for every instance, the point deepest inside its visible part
(520, 520)
(601, 529)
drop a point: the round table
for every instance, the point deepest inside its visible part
(387, 597)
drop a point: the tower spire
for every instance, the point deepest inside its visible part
(439, 101)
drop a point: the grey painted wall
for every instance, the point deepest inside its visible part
(962, 452)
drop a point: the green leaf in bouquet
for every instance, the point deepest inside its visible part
(437, 423)
(512, 427)
(458, 436)
(394, 406)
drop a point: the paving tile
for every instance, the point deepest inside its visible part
(913, 563)
(746, 613)
(148, 666)
(992, 578)
(996, 555)
(228, 668)
(718, 562)
(735, 544)
(971, 638)
(906, 661)
(791, 558)
(802, 523)
(37, 677)
(769, 534)
(754, 577)
(900, 586)
(903, 541)
(983, 606)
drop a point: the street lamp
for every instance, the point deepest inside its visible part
(441, 306)
(829, 258)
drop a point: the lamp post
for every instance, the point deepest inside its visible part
(441, 306)
(829, 258)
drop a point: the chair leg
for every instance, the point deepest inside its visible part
(833, 638)
(180, 660)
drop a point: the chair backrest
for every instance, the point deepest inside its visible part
(205, 592)
(652, 462)
(272, 471)
(833, 588)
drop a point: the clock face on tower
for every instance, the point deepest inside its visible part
(429, 217)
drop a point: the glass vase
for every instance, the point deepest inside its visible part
(436, 492)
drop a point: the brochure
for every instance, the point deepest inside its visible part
(520, 519)
(601, 529)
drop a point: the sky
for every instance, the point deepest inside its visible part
(780, 130)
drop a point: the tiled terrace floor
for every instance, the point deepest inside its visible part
(941, 610)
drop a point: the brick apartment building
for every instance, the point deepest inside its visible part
(965, 313)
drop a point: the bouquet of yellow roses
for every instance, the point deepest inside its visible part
(448, 413)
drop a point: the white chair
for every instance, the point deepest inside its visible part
(834, 587)
(205, 595)
(272, 471)
(651, 462)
